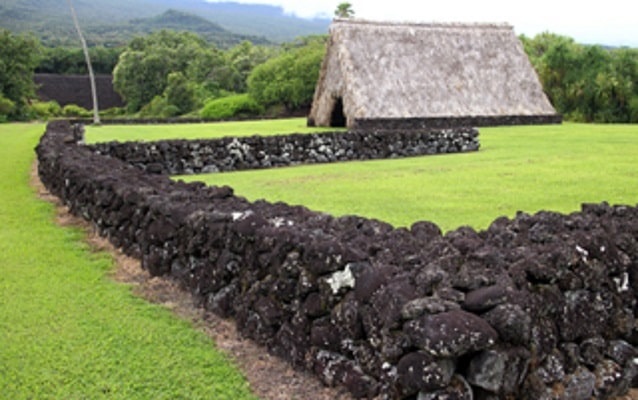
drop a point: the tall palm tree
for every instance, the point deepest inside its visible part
(344, 10)
(96, 115)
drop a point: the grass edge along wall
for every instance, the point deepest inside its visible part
(67, 330)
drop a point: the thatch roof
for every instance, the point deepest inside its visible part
(399, 71)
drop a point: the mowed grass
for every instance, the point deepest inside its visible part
(528, 168)
(67, 330)
(149, 133)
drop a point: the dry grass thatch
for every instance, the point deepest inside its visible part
(399, 70)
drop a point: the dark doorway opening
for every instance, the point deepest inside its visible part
(338, 118)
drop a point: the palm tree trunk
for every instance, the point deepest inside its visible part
(96, 115)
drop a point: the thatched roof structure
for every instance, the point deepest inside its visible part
(414, 75)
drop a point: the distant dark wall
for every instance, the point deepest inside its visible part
(76, 89)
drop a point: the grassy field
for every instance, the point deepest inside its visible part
(518, 168)
(67, 331)
(528, 168)
(197, 131)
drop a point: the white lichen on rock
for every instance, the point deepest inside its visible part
(341, 279)
(622, 283)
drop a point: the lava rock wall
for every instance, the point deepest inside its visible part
(451, 122)
(534, 307)
(231, 154)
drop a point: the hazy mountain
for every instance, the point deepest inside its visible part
(114, 22)
(254, 19)
(180, 21)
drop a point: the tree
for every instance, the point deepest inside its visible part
(290, 78)
(6, 108)
(344, 10)
(19, 56)
(180, 93)
(585, 83)
(243, 58)
(143, 68)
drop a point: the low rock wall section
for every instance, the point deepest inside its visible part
(451, 122)
(534, 307)
(256, 152)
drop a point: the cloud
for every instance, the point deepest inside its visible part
(611, 22)
(303, 9)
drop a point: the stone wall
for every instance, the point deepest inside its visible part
(76, 89)
(534, 307)
(452, 122)
(231, 154)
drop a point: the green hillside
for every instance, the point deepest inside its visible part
(114, 22)
(254, 19)
(182, 21)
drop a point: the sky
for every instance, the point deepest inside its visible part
(609, 22)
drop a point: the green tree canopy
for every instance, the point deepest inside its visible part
(289, 78)
(180, 93)
(232, 72)
(19, 55)
(143, 68)
(586, 83)
(344, 10)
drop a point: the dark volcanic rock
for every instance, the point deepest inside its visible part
(580, 385)
(451, 334)
(427, 305)
(499, 370)
(584, 314)
(458, 389)
(334, 369)
(511, 322)
(421, 371)
(536, 307)
(485, 298)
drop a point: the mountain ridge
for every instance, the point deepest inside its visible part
(114, 22)
(180, 21)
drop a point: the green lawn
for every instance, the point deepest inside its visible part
(148, 133)
(527, 168)
(67, 331)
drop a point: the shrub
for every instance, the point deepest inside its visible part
(75, 111)
(290, 78)
(159, 107)
(6, 107)
(231, 106)
(633, 110)
(113, 112)
(44, 110)
(575, 116)
(180, 93)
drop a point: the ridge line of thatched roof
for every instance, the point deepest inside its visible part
(468, 25)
